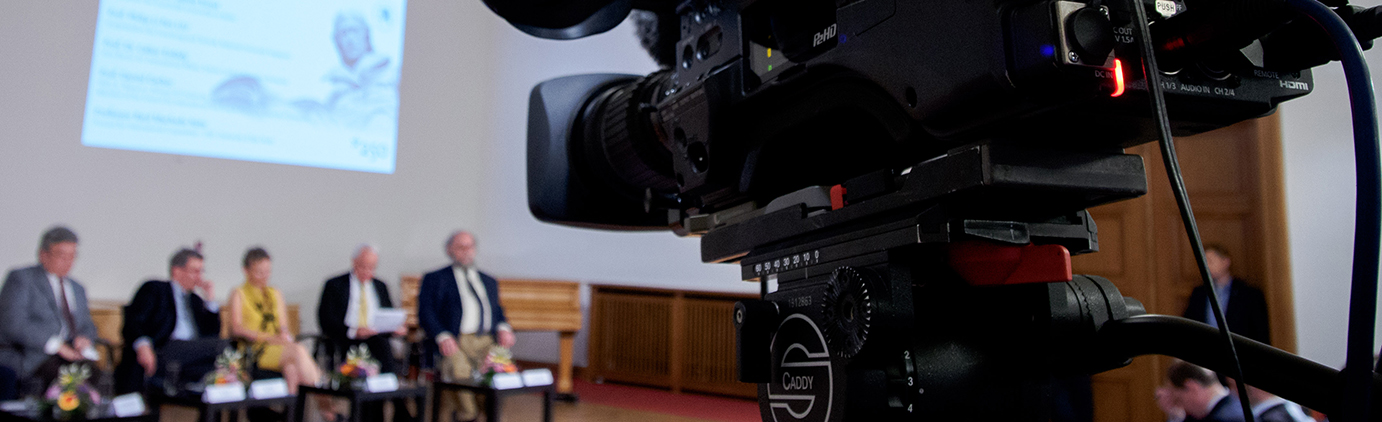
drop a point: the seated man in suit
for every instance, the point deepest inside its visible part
(44, 319)
(1244, 306)
(1194, 394)
(458, 307)
(171, 326)
(343, 313)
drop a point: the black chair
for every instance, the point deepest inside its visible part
(326, 352)
(251, 353)
(9, 384)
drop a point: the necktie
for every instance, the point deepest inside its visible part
(67, 310)
(364, 308)
(480, 300)
(191, 318)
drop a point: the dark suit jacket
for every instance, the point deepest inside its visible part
(1226, 410)
(30, 315)
(331, 309)
(1246, 312)
(153, 314)
(439, 305)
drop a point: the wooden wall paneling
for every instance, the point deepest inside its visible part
(708, 358)
(1271, 224)
(683, 341)
(634, 337)
(1234, 179)
(678, 333)
(1125, 236)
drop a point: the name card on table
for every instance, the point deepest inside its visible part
(127, 405)
(14, 406)
(507, 381)
(536, 377)
(381, 383)
(269, 389)
(223, 393)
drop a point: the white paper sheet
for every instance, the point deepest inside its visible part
(387, 319)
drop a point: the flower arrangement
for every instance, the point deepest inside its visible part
(70, 396)
(230, 369)
(499, 360)
(358, 365)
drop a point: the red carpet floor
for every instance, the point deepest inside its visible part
(662, 401)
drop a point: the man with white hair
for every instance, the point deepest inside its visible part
(344, 312)
(458, 308)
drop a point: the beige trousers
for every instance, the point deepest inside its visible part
(458, 367)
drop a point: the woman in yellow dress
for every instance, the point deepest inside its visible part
(258, 315)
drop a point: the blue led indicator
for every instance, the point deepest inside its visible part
(1048, 50)
(843, 38)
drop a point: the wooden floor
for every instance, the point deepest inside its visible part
(528, 408)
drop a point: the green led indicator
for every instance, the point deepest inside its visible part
(770, 68)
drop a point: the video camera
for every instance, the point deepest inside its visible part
(906, 180)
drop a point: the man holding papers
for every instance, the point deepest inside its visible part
(458, 307)
(348, 304)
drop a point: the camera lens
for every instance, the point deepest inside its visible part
(621, 142)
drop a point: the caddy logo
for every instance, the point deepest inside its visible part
(802, 387)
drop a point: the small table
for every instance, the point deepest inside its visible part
(212, 411)
(358, 397)
(491, 397)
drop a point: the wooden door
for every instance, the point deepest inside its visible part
(1235, 183)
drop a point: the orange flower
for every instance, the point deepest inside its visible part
(67, 401)
(347, 369)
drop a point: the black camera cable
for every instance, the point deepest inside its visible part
(1358, 367)
(1168, 157)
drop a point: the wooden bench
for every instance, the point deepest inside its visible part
(109, 317)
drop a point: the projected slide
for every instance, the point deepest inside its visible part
(302, 82)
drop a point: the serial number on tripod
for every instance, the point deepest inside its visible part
(799, 302)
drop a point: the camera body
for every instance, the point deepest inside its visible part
(768, 96)
(906, 180)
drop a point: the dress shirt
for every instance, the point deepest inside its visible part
(186, 326)
(55, 342)
(352, 317)
(1222, 293)
(474, 300)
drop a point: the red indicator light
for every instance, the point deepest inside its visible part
(1118, 77)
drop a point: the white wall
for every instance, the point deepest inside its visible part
(466, 77)
(1318, 146)
(516, 244)
(132, 209)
